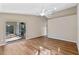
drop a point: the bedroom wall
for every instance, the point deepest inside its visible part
(1, 30)
(78, 27)
(33, 24)
(63, 28)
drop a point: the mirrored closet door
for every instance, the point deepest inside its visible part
(15, 30)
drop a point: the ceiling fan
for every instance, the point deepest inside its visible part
(45, 12)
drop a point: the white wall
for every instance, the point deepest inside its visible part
(78, 26)
(2, 29)
(33, 24)
(44, 27)
(63, 28)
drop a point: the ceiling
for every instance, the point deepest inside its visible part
(65, 12)
(34, 8)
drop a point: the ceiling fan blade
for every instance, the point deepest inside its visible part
(43, 12)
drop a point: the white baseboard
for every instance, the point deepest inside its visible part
(62, 39)
(2, 44)
(12, 39)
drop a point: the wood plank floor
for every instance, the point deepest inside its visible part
(29, 47)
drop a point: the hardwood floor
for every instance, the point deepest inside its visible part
(30, 47)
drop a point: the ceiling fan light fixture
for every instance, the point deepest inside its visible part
(42, 14)
(55, 8)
